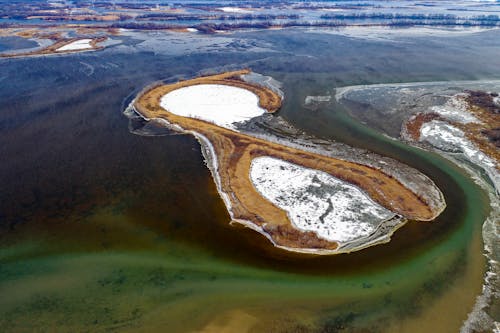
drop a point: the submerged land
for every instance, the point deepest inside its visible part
(232, 157)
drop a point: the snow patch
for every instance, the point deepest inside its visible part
(215, 103)
(81, 44)
(451, 139)
(456, 109)
(316, 201)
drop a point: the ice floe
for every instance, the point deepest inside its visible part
(219, 104)
(316, 201)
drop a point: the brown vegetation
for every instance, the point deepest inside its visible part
(414, 124)
(486, 134)
(235, 151)
(53, 49)
(81, 17)
(483, 100)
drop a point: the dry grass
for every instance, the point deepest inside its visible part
(235, 151)
(481, 133)
(268, 99)
(83, 17)
(481, 107)
(412, 127)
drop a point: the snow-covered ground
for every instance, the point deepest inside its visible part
(456, 109)
(316, 201)
(216, 103)
(451, 139)
(80, 44)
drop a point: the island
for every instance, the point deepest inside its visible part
(59, 45)
(300, 199)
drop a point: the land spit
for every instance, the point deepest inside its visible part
(62, 46)
(230, 153)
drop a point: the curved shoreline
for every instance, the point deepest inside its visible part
(229, 154)
(480, 316)
(211, 162)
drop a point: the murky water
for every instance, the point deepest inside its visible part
(102, 229)
(14, 43)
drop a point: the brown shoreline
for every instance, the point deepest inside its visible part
(234, 152)
(60, 42)
(476, 132)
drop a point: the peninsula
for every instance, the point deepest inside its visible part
(61, 45)
(300, 200)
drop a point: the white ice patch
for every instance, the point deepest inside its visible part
(455, 109)
(216, 103)
(80, 44)
(316, 201)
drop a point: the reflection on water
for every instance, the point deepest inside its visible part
(101, 229)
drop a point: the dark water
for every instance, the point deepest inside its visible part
(101, 229)
(15, 43)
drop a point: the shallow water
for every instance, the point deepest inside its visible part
(101, 229)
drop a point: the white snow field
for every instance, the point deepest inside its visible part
(219, 104)
(80, 44)
(316, 201)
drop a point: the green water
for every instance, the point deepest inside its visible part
(102, 230)
(63, 280)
